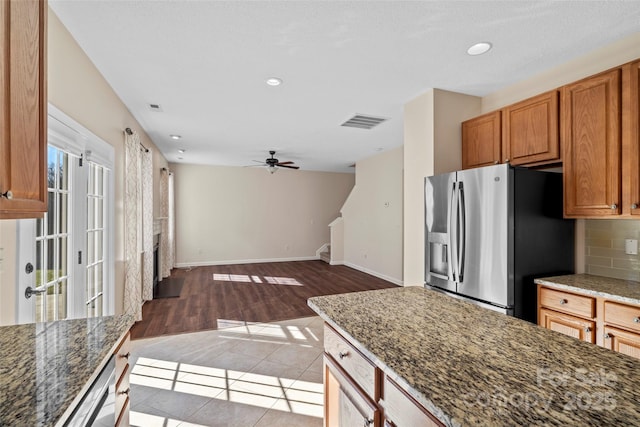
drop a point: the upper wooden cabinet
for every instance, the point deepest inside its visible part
(530, 132)
(23, 109)
(481, 141)
(631, 138)
(526, 133)
(591, 140)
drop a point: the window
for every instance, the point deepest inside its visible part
(96, 242)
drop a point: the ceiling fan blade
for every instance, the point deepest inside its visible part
(285, 163)
(287, 166)
(259, 161)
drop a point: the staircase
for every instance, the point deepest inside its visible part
(326, 255)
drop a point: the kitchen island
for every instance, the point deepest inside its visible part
(46, 368)
(466, 365)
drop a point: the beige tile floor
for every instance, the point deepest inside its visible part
(257, 374)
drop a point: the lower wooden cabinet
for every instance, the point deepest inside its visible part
(345, 404)
(567, 324)
(622, 341)
(123, 370)
(611, 324)
(357, 393)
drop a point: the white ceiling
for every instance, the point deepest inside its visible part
(206, 62)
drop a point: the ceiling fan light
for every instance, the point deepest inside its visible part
(272, 169)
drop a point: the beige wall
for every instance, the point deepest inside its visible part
(78, 89)
(373, 217)
(228, 215)
(431, 146)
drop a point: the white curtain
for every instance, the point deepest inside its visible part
(132, 280)
(167, 245)
(147, 225)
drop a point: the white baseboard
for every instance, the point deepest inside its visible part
(242, 261)
(336, 263)
(374, 273)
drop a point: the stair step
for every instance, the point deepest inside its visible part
(326, 257)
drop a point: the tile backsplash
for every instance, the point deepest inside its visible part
(604, 245)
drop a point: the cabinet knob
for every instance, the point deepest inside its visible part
(125, 356)
(563, 301)
(495, 162)
(607, 336)
(506, 160)
(636, 319)
(368, 422)
(343, 354)
(125, 391)
(587, 329)
(7, 195)
(614, 207)
(634, 206)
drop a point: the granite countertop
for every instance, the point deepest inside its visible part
(597, 286)
(472, 366)
(45, 368)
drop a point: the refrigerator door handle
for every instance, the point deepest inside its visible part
(453, 233)
(463, 231)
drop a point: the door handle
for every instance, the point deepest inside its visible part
(453, 235)
(463, 231)
(30, 291)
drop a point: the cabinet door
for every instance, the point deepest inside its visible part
(631, 138)
(576, 327)
(621, 341)
(345, 404)
(591, 141)
(530, 131)
(481, 141)
(23, 109)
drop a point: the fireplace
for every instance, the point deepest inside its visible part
(156, 263)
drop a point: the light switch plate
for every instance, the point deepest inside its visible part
(631, 246)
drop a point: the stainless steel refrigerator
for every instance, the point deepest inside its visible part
(490, 231)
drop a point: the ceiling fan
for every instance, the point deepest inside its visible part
(273, 164)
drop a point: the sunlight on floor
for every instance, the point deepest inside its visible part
(244, 278)
(283, 394)
(261, 332)
(138, 419)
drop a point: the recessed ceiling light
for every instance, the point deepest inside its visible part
(175, 136)
(479, 48)
(274, 81)
(181, 151)
(180, 158)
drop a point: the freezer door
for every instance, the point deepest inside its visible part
(438, 193)
(483, 224)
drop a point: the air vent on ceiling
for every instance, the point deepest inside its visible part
(363, 122)
(155, 107)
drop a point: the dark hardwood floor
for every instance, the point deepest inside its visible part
(218, 296)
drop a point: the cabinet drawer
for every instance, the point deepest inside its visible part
(122, 420)
(626, 316)
(122, 391)
(568, 303)
(122, 355)
(400, 409)
(355, 364)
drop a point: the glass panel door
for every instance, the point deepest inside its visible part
(52, 242)
(96, 239)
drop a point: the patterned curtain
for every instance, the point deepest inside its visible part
(166, 241)
(147, 225)
(132, 279)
